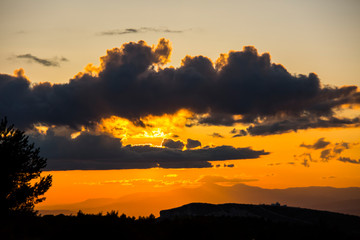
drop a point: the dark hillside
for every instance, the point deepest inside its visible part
(192, 221)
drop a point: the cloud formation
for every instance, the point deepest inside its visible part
(240, 87)
(217, 135)
(45, 62)
(349, 160)
(319, 144)
(192, 143)
(241, 133)
(329, 151)
(223, 180)
(169, 143)
(278, 126)
(89, 151)
(139, 30)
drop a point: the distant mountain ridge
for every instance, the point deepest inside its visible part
(343, 200)
(272, 213)
(191, 221)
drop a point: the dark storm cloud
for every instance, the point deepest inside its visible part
(319, 144)
(45, 62)
(192, 143)
(139, 30)
(89, 151)
(242, 86)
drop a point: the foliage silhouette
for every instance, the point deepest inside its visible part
(21, 167)
(112, 226)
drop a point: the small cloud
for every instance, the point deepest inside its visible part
(45, 62)
(330, 177)
(21, 32)
(274, 164)
(305, 163)
(274, 126)
(332, 152)
(192, 143)
(169, 143)
(340, 147)
(319, 144)
(307, 156)
(217, 135)
(139, 30)
(63, 59)
(221, 179)
(348, 160)
(229, 165)
(241, 133)
(233, 131)
(325, 155)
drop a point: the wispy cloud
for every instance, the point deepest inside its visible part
(224, 180)
(217, 135)
(55, 62)
(140, 30)
(349, 160)
(329, 151)
(319, 144)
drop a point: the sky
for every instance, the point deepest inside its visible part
(147, 96)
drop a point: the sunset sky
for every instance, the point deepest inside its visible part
(127, 97)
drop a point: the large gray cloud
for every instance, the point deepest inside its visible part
(244, 83)
(89, 151)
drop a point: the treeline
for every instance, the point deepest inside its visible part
(113, 215)
(112, 225)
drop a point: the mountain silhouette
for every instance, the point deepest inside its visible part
(342, 200)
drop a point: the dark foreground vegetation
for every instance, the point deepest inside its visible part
(113, 226)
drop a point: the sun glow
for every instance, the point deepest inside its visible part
(41, 129)
(150, 127)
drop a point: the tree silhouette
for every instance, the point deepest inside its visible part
(20, 168)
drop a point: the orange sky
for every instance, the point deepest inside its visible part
(65, 91)
(271, 171)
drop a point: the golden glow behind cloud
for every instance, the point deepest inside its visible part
(155, 126)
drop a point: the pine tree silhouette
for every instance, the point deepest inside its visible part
(20, 168)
